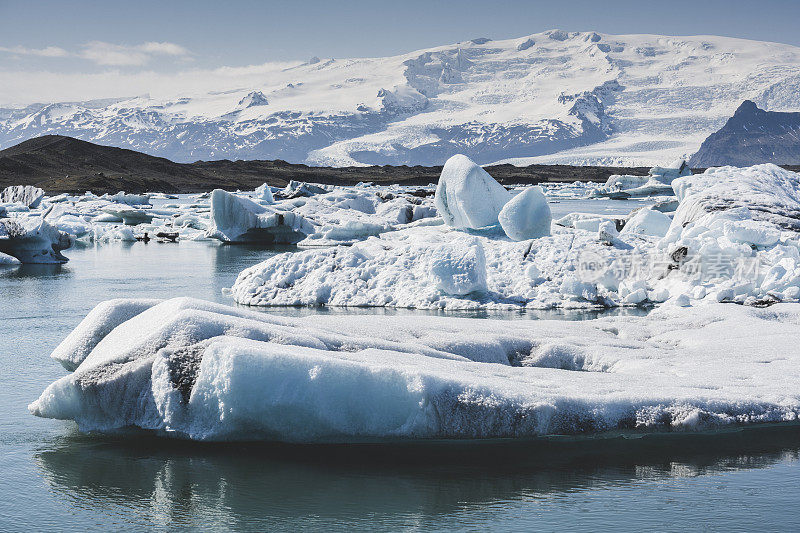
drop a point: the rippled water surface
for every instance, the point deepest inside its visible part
(54, 478)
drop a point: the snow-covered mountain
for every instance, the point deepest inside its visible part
(562, 97)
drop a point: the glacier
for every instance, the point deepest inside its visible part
(191, 369)
(551, 97)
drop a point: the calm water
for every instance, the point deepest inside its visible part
(54, 478)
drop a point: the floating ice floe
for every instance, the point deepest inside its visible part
(715, 249)
(657, 182)
(238, 219)
(128, 215)
(129, 199)
(204, 371)
(33, 240)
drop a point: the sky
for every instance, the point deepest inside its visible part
(58, 50)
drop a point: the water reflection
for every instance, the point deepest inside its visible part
(187, 485)
(47, 271)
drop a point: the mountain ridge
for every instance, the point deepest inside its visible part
(552, 97)
(64, 164)
(752, 136)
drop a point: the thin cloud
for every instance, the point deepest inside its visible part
(164, 48)
(21, 87)
(108, 54)
(117, 55)
(48, 51)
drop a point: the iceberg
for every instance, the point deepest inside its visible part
(467, 197)
(737, 250)
(128, 215)
(237, 219)
(191, 369)
(27, 195)
(657, 182)
(263, 193)
(129, 199)
(300, 189)
(33, 240)
(526, 215)
(771, 193)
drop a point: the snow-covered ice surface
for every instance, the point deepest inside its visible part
(731, 239)
(550, 97)
(198, 370)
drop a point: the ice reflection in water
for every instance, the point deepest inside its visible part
(170, 484)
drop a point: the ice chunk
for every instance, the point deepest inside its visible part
(264, 194)
(467, 197)
(299, 189)
(33, 240)
(129, 199)
(459, 269)
(27, 195)
(647, 222)
(237, 219)
(657, 182)
(130, 216)
(526, 215)
(752, 232)
(607, 233)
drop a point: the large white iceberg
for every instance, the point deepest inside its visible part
(467, 197)
(204, 371)
(770, 192)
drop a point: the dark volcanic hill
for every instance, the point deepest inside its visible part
(64, 164)
(752, 136)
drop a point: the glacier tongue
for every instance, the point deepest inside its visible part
(205, 371)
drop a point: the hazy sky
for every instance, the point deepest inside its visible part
(71, 49)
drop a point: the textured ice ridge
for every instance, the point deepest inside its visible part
(205, 371)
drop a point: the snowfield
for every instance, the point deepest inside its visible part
(551, 97)
(197, 370)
